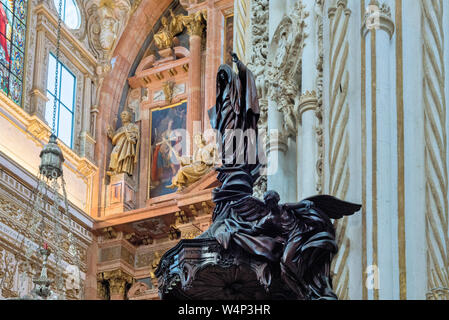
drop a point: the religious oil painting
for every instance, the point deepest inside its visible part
(13, 16)
(167, 125)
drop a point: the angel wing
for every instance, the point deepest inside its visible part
(250, 208)
(333, 207)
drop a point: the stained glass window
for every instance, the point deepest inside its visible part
(13, 15)
(70, 13)
(65, 100)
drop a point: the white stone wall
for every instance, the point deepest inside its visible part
(385, 140)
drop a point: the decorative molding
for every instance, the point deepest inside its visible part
(319, 129)
(435, 130)
(338, 150)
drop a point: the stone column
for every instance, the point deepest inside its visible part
(306, 174)
(117, 280)
(194, 118)
(382, 154)
(278, 141)
(38, 93)
(306, 137)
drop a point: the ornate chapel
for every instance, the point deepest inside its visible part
(97, 97)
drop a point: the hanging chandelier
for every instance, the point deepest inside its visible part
(49, 203)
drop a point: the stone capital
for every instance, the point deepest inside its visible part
(195, 23)
(307, 102)
(378, 17)
(117, 280)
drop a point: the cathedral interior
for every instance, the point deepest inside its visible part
(352, 95)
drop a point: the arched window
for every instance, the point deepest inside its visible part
(13, 16)
(70, 13)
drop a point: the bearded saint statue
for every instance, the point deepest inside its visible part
(126, 146)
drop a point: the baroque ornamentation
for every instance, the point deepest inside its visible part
(435, 149)
(165, 37)
(284, 65)
(319, 129)
(107, 20)
(168, 88)
(117, 281)
(195, 23)
(338, 116)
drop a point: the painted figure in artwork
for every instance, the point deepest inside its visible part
(162, 157)
(126, 141)
(167, 145)
(192, 169)
(3, 26)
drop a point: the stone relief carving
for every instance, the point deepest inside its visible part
(284, 65)
(107, 20)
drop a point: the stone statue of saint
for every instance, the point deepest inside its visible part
(192, 169)
(126, 146)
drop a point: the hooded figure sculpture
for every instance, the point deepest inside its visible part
(235, 114)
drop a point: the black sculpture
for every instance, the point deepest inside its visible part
(254, 249)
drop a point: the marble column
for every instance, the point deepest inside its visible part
(277, 175)
(382, 158)
(306, 138)
(194, 117)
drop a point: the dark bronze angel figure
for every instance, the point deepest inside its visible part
(300, 236)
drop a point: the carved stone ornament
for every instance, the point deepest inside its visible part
(106, 22)
(195, 23)
(284, 66)
(378, 17)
